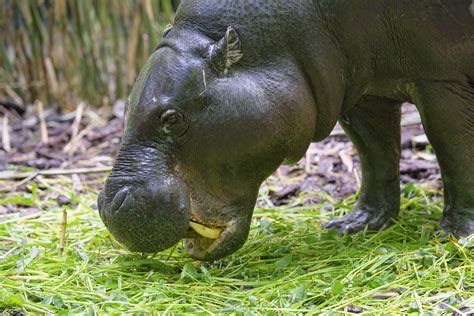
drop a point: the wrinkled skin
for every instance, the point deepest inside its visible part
(237, 88)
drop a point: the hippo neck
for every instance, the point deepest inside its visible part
(317, 51)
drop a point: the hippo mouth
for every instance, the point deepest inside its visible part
(205, 241)
(209, 231)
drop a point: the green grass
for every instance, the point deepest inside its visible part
(288, 265)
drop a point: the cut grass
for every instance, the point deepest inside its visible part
(288, 265)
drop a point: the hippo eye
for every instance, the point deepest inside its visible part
(173, 122)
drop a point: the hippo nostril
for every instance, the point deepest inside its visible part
(119, 198)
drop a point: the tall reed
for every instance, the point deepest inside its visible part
(66, 51)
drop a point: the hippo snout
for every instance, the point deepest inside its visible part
(146, 217)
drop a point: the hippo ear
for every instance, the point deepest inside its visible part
(226, 52)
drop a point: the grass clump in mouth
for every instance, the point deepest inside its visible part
(288, 265)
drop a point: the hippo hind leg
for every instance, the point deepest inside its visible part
(447, 111)
(374, 127)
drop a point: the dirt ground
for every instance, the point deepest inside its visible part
(88, 139)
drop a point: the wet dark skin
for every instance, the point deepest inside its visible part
(237, 88)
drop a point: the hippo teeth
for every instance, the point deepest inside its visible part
(204, 231)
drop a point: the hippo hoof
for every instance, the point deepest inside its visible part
(359, 218)
(458, 226)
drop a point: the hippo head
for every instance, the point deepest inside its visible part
(203, 129)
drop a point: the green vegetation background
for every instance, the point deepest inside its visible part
(63, 52)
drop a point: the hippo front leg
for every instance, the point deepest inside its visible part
(374, 128)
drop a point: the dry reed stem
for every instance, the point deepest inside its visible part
(15, 186)
(63, 233)
(12, 94)
(357, 177)
(6, 134)
(95, 118)
(132, 48)
(42, 121)
(70, 147)
(77, 183)
(11, 174)
(307, 163)
(51, 75)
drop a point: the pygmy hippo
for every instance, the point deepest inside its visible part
(237, 88)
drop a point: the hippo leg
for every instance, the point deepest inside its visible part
(447, 111)
(374, 127)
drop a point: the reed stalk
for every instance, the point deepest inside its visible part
(63, 52)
